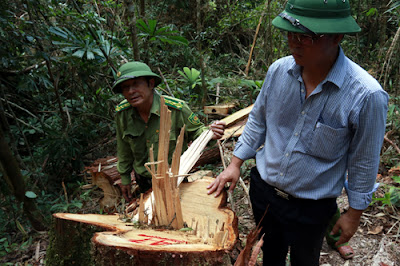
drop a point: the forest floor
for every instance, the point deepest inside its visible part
(377, 241)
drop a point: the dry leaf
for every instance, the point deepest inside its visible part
(376, 230)
(37, 251)
(256, 251)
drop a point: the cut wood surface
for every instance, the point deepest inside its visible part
(239, 115)
(235, 130)
(104, 174)
(199, 175)
(193, 153)
(218, 109)
(212, 228)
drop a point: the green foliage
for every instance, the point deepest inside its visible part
(191, 77)
(394, 6)
(30, 194)
(151, 33)
(371, 12)
(78, 46)
(389, 155)
(72, 206)
(391, 198)
(7, 247)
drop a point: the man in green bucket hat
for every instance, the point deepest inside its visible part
(138, 123)
(318, 119)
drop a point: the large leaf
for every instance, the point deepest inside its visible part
(79, 53)
(59, 32)
(163, 34)
(191, 76)
(30, 194)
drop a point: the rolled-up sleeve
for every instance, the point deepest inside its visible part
(364, 152)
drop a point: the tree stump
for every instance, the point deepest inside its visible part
(211, 233)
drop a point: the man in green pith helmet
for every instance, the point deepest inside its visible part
(138, 123)
(319, 117)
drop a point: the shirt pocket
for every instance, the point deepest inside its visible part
(329, 143)
(136, 144)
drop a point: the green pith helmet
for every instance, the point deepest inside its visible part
(133, 70)
(317, 17)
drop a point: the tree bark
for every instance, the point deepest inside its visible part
(130, 19)
(12, 174)
(142, 8)
(201, 61)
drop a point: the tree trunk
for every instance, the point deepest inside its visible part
(201, 61)
(142, 8)
(12, 174)
(130, 19)
(211, 233)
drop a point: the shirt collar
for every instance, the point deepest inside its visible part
(336, 75)
(155, 107)
(338, 70)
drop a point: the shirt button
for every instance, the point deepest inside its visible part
(296, 134)
(281, 174)
(287, 154)
(303, 113)
(302, 91)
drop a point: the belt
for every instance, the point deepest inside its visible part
(280, 193)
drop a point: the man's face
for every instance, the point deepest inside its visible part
(138, 92)
(312, 51)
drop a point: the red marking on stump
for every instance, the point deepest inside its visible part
(156, 240)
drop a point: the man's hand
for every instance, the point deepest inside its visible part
(230, 174)
(126, 192)
(218, 128)
(348, 224)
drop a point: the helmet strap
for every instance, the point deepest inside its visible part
(296, 23)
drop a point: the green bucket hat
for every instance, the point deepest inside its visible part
(317, 17)
(133, 70)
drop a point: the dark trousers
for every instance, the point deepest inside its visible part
(143, 182)
(298, 224)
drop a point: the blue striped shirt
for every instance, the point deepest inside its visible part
(309, 145)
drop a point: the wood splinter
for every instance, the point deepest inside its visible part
(167, 207)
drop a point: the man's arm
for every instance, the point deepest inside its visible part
(125, 161)
(230, 174)
(363, 161)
